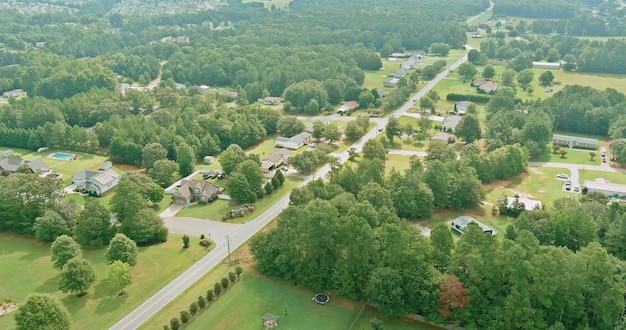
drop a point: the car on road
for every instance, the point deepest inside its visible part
(284, 168)
(568, 186)
(604, 160)
(562, 176)
(380, 129)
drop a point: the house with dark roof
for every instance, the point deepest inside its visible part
(488, 87)
(401, 73)
(96, 183)
(275, 159)
(460, 224)
(294, 142)
(106, 165)
(196, 191)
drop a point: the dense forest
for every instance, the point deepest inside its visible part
(550, 271)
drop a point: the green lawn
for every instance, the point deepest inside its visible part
(26, 268)
(263, 148)
(69, 167)
(575, 156)
(390, 323)
(399, 162)
(376, 78)
(614, 177)
(216, 210)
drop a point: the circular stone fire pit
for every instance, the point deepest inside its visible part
(321, 298)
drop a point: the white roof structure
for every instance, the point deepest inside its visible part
(605, 186)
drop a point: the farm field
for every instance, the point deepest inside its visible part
(26, 268)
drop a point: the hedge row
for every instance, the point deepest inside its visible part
(196, 307)
(468, 97)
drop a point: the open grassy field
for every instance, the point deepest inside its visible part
(376, 78)
(399, 162)
(243, 305)
(216, 210)
(26, 268)
(574, 156)
(614, 177)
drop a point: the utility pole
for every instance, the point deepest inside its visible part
(228, 245)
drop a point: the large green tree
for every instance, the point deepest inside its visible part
(151, 153)
(77, 276)
(231, 158)
(468, 129)
(42, 312)
(63, 249)
(50, 225)
(185, 157)
(122, 249)
(163, 171)
(120, 275)
(94, 224)
(289, 126)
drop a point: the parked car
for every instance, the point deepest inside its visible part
(576, 188)
(562, 176)
(567, 186)
(284, 168)
(604, 160)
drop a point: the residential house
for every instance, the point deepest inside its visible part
(547, 65)
(324, 120)
(574, 141)
(180, 86)
(96, 183)
(393, 82)
(294, 142)
(275, 159)
(478, 82)
(11, 164)
(347, 107)
(449, 124)
(209, 159)
(401, 73)
(461, 107)
(529, 204)
(606, 187)
(13, 93)
(488, 87)
(270, 100)
(442, 137)
(381, 92)
(460, 224)
(196, 191)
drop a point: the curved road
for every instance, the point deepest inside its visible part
(238, 235)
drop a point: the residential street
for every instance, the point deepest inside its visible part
(238, 235)
(574, 168)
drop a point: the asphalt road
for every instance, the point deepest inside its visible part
(243, 233)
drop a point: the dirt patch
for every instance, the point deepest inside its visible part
(504, 183)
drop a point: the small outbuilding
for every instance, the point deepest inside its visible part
(270, 320)
(106, 165)
(209, 159)
(442, 137)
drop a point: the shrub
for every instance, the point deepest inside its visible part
(166, 327)
(205, 243)
(185, 241)
(209, 295)
(224, 282)
(184, 316)
(202, 301)
(238, 270)
(193, 308)
(232, 277)
(217, 288)
(175, 323)
(201, 236)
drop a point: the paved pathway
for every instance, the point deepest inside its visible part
(431, 117)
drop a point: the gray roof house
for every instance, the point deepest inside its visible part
(606, 187)
(11, 164)
(393, 82)
(106, 165)
(275, 159)
(460, 224)
(461, 107)
(400, 73)
(442, 137)
(6, 154)
(294, 142)
(96, 182)
(196, 191)
(450, 123)
(574, 141)
(13, 93)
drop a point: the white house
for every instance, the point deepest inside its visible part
(547, 65)
(294, 142)
(574, 141)
(13, 93)
(460, 224)
(461, 107)
(96, 182)
(606, 187)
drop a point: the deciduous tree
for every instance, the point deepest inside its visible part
(122, 249)
(468, 129)
(63, 249)
(452, 296)
(163, 171)
(77, 276)
(289, 126)
(94, 224)
(120, 275)
(49, 226)
(151, 153)
(42, 311)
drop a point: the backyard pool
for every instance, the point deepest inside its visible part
(62, 156)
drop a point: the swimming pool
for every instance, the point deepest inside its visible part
(62, 156)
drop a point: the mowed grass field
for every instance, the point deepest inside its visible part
(245, 302)
(26, 268)
(614, 177)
